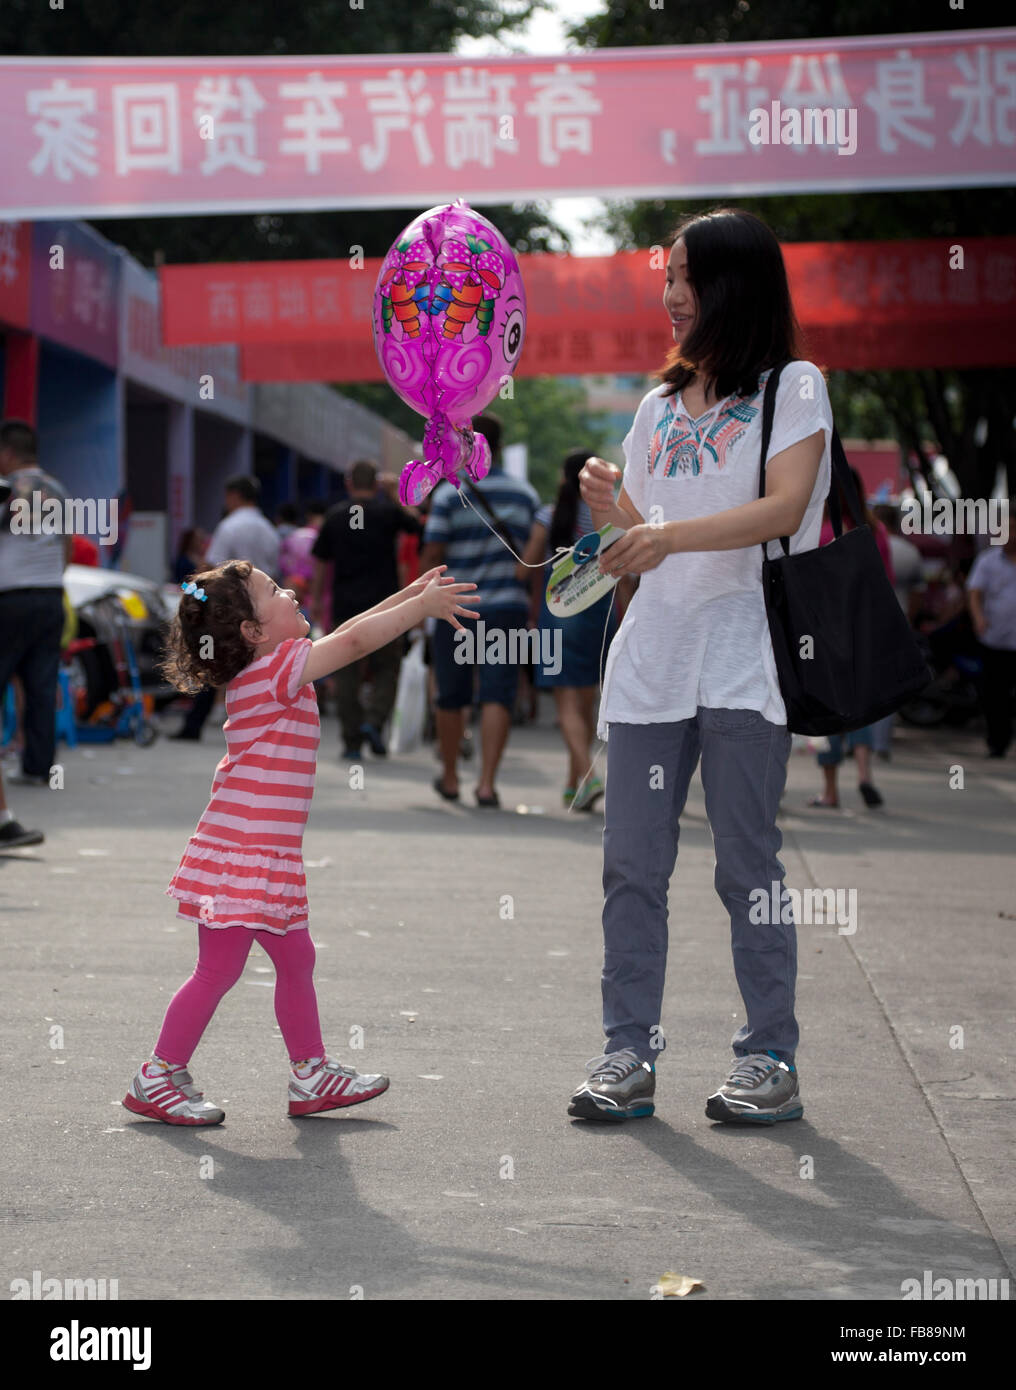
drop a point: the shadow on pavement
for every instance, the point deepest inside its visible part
(873, 1233)
(341, 1243)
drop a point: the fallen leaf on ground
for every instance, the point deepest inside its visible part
(676, 1285)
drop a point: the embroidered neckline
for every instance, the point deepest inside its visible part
(704, 438)
(726, 402)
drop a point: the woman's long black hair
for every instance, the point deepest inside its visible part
(745, 320)
(566, 507)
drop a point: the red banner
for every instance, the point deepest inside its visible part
(15, 273)
(941, 302)
(147, 137)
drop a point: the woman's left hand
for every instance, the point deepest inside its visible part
(641, 548)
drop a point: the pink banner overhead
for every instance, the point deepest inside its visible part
(106, 137)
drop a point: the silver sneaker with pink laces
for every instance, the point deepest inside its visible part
(331, 1087)
(169, 1094)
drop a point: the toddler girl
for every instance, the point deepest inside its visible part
(241, 878)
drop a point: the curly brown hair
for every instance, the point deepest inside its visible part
(204, 644)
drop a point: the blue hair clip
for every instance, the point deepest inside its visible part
(191, 588)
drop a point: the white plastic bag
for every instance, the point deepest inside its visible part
(410, 709)
(809, 743)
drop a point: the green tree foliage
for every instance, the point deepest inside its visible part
(622, 24)
(298, 236)
(549, 414)
(968, 413)
(196, 29)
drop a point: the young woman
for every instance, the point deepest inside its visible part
(691, 671)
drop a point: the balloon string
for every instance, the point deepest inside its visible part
(561, 551)
(558, 554)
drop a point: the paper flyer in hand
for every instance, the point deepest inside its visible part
(576, 581)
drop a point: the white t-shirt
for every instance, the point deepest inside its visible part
(245, 534)
(908, 567)
(994, 574)
(696, 632)
(29, 560)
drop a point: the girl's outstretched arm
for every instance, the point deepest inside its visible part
(441, 598)
(410, 591)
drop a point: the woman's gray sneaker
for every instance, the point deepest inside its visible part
(619, 1087)
(759, 1090)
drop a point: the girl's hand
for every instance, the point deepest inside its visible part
(596, 484)
(442, 598)
(641, 548)
(418, 585)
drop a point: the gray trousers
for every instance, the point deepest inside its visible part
(744, 770)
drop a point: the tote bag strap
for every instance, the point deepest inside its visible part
(499, 525)
(840, 470)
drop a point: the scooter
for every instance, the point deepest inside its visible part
(951, 698)
(123, 714)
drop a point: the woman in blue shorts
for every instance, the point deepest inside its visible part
(573, 671)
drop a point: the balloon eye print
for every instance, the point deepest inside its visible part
(512, 335)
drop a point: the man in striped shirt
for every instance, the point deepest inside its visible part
(455, 535)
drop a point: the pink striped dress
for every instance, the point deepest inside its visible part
(243, 866)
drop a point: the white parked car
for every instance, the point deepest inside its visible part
(142, 610)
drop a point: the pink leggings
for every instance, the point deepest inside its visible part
(222, 954)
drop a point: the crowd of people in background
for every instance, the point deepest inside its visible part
(341, 558)
(345, 558)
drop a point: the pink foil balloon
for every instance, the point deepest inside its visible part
(449, 320)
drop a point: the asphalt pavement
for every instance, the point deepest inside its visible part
(463, 947)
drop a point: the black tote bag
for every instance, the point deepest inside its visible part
(862, 660)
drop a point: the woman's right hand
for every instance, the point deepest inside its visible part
(596, 484)
(442, 598)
